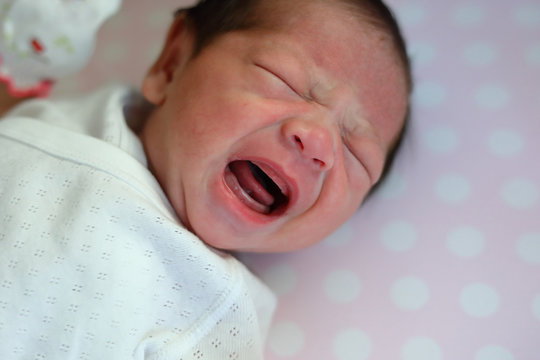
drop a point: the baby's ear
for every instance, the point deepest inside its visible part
(176, 52)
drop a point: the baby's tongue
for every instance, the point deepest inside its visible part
(248, 182)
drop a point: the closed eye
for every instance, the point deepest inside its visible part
(280, 78)
(352, 151)
(360, 156)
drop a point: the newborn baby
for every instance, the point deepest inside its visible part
(261, 127)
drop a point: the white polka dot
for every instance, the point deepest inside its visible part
(352, 345)
(410, 293)
(282, 279)
(480, 54)
(452, 189)
(532, 56)
(421, 53)
(528, 248)
(468, 15)
(520, 193)
(441, 139)
(399, 236)
(505, 143)
(493, 352)
(342, 286)
(492, 97)
(536, 307)
(479, 300)
(429, 95)
(411, 14)
(527, 15)
(286, 339)
(466, 242)
(421, 348)
(393, 186)
(342, 236)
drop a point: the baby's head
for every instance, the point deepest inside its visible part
(274, 118)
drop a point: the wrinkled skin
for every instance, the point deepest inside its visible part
(316, 102)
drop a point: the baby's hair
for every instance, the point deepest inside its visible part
(211, 18)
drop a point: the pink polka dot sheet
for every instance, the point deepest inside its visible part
(443, 261)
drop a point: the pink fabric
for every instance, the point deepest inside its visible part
(444, 261)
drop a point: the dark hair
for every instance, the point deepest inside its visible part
(211, 18)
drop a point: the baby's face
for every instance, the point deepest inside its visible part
(268, 140)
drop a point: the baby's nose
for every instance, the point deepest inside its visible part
(312, 140)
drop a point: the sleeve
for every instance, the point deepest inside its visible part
(241, 333)
(235, 330)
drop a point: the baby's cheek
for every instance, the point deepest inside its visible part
(341, 195)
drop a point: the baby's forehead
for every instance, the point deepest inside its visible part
(289, 16)
(343, 60)
(285, 14)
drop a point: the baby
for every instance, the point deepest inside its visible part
(261, 127)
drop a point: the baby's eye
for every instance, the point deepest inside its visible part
(353, 147)
(277, 84)
(364, 148)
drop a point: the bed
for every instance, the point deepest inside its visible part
(443, 261)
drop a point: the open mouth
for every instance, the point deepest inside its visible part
(257, 189)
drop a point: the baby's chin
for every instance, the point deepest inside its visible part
(262, 242)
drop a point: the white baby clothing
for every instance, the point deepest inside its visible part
(94, 263)
(44, 40)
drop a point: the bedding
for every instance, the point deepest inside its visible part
(443, 261)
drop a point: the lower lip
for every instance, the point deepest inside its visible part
(238, 209)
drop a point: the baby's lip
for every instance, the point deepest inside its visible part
(260, 185)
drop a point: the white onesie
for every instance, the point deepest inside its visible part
(93, 261)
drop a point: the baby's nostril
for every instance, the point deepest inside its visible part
(299, 142)
(319, 163)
